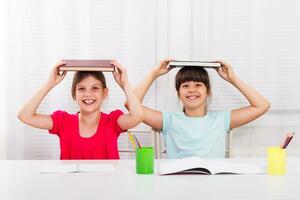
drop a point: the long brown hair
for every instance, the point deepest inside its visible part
(80, 75)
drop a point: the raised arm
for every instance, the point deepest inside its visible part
(152, 117)
(258, 104)
(28, 113)
(135, 115)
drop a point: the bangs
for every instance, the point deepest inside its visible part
(188, 73)
(80, 75)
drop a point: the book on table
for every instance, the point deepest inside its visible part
(195, 165)
(75, 168)
(88, 65)
(207, 64)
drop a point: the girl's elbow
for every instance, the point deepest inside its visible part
(24, 118)
(135, 121)
(268, 106)
(135, 118)
(21, 117)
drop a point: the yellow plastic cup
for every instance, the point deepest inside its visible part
(276, 161)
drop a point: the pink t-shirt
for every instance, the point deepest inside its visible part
(102, 145)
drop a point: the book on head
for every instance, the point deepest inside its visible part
(195, 165)
(207, 64)
(88, 65)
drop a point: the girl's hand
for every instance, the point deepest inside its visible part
(162, 68)
(120, 74)
(225, 71)
(57, 76)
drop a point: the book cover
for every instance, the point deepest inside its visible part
(196, 165)
(195, 64)
(88, 65)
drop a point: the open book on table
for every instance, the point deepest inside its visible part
(75, 168)
(196, 165)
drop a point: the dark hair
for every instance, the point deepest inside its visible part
(80, 75)
(189, 73)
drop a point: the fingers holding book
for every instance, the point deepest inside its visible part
(56, 76)
(120, 74)
(163, 67)
(225, 71)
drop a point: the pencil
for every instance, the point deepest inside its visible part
(284, 140)
(288, 140)
(137, 141)
(131, 140)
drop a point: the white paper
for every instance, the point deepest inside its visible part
(76, 168)
(215, 167)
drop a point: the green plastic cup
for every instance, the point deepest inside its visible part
(144, 158)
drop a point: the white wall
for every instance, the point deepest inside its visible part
(3, 84)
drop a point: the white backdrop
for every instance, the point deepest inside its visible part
(2, 83)
(260, 38)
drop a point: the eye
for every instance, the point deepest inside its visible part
(96, 88)
(184, 85)
(199, 84)
(81, 89)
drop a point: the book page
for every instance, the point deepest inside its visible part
(179, 165)
(196, 165)
(229, 167)
(76, 168)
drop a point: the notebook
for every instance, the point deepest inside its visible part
(88, 65)
(194, 63)
(195, 165)
(76, 168)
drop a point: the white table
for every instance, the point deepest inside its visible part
(23, 180)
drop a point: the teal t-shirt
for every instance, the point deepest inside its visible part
(204, 137)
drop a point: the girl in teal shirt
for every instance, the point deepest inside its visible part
(197, 131)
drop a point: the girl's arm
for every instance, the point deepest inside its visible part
(258, 104)
(152, 117)
(28, 113)
(135, 115)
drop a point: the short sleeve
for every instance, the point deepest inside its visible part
(226, 117)
(58, 119)
(166, 121)
(114, 116)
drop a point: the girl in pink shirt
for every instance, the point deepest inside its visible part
(90, 133)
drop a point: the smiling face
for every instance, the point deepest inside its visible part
(193, 87)
(89, 94)
(89, 90)
(193, 94)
